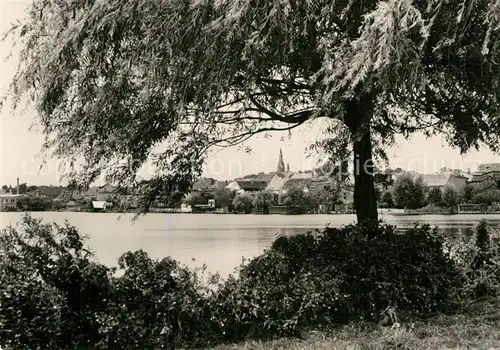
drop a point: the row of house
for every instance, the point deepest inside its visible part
(103, 197)
(456, 178)
(486, 172)
(280, 181)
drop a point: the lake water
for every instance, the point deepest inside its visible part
(219, 241)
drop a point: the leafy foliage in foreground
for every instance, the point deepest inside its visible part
(50, 289)
(479, 259)
(54, 295)
(341, 275)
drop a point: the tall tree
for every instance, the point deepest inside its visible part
(224, 197)
(468, 193)
(387, 199)
(486, 192)
(23, 188)
(409, 192)
(450, 198)
(263, 200)
(297, 199)
(243, 203)
(198, 198)
(435, 196)
(113, 79)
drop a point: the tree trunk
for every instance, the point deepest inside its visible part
(358, 115)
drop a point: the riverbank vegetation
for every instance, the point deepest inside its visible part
(54, 294)
(296, 200)
(409, 191)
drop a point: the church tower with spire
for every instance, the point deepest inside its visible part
(281, 163)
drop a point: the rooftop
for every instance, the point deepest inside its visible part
(482, 177)
(477, 178)
(436, 180)
(208, 184)
(297, 182)
(488, 167)
(251, 184)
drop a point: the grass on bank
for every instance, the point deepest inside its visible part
(478, 328)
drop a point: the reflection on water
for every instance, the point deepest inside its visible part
(464, 233)
(220, 241)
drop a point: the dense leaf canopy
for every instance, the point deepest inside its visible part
(112, 80)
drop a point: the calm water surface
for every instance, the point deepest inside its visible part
(219, 241)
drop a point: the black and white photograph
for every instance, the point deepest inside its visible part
(249, 174)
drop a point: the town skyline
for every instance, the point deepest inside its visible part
(324, 170)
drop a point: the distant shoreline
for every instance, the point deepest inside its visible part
(392, 213)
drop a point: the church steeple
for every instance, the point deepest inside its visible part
(281, 163)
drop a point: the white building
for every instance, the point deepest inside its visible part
(8, 201)
(186, 208)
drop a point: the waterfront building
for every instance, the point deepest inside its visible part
(280, 181)
(486, 172)
(105, 193)
(8, 201)
(186, 208)
(101, 205)
(100, 193)
(241, 186)
(441, 181)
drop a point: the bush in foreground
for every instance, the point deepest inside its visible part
(340, 275)
(479, 259)
(51, 292)
(54, 295)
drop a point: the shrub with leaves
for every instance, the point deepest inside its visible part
(479, 259)
(50, 288)
(262, 201)
(409, 192)
(387, 199)
(339, 275)
(243, 203)
(450, 198)
(435, 196)
(53, 295)
(156, 304)
(271, 297)
(487, 192)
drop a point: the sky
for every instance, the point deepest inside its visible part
(21, 140)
